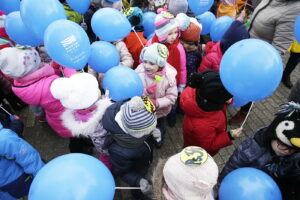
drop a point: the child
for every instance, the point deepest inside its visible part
(32, 83)
(155, 5)
(85, 108)
(130, 124)
(167, 33)
(293, 61)
(204, 104)
(188, 175)
(19, 163)
(214, 54)
(135, 41)
(275, 150)
(189, 38)
(159, 81)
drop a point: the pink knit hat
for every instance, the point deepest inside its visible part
(165, 22)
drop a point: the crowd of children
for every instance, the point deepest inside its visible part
(175, 77)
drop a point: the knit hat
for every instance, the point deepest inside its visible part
(156, 53)
(236, 32)
(80, 91)
(190, 28)
(134, 16)
(191, 174)
(138, 116)
(117, 5)
(211, 94)
(164, 23)
(178, 6)
(286, 126)
(17, 62)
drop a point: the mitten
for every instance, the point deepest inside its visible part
(146, 187)
(157, 134)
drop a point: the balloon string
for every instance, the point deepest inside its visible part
(127, 188)
(247, 115)
(138, 36)
(5, 110)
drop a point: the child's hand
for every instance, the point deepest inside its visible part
(235, 133)
(242, 16)
(14, 117)
(151, 89)
(157, 135)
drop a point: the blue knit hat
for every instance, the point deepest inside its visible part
(236, 32)
(138, 117)
(134, 16)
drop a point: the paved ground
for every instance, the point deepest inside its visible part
(50, 145)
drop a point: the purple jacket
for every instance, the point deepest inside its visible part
(34, 89)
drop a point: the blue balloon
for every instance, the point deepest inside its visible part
(73, 176)
(18, 32)
(37, 15)
(297, 29)
(8, 6)
(200, 6)
(249, 184)
(67, 44)
(148, 23)
(238, 102)
(219, 27)
(122, 83)
(206, 19)
(79, 6)
(251, 69)
(110, 24)
(104, 56)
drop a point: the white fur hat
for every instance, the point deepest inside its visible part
(17, 62)
(191, 174)
(80, 91)
(107, 4)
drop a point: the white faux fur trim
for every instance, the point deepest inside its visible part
(85, 128)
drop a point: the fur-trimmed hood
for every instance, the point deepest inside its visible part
(91, 125)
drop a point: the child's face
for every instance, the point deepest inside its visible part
(150, 67)
(281, 149)
(188, 46)
(172, 36)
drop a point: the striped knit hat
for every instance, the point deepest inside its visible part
(138, 116)
(165, 22)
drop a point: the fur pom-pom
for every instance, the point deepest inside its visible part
(136, 104)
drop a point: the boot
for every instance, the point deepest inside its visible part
(286, 80)
(238, 118)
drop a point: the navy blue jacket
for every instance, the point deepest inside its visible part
(257, 153)
(130, 163)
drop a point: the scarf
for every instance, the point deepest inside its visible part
(157, 76)
(174, 55)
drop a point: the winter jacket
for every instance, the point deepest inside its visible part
(125, 57)
(130, 164)
(193, 60)
(17, 157)
(181, 77)
(134, 46)
(200, 128)
(254, 152)
(273, 21)
(166, 91)
(91, 128)
(212, 59)
(5, 86)
(34, 89)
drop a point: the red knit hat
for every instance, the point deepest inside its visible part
(190, 28)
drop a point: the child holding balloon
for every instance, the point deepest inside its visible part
(159, 81)
(204, 104)
(167, 33)
(275, 150)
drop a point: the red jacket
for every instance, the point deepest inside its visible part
(200, 128)
(213, 57)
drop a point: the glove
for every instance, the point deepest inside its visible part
(154, 102)
(180, 88)
(146, 187)
(84, 26)
(151, 89)
(157, 135)
(235, 133)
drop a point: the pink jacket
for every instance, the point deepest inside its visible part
(182, 72)
(166, 92)
(34, 89)
(212, 59)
